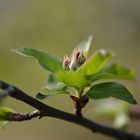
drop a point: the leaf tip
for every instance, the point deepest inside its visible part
(18, 50)
(106, 53)
(90, 38)
(41, 96)
(13, 49)
(134, 101)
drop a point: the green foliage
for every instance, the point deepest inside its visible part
(114, 71)
(110, 89)
(97, 61)
(42, 96)
(5, 114)
(52, 89)
(79, 72)
(51, 79)
(72, 78)
(57, 87)
(85, 45)
(45, 60)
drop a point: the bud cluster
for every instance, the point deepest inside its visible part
(75, 61)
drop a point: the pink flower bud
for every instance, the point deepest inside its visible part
(77, 59)
(76, 54)
(66, 62)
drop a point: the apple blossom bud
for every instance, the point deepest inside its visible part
(66, 62)
(77, 59)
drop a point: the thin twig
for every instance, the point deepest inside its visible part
(15, 116)
(134, 114)
(45, 110)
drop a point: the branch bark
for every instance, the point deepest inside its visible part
(45, 110)
(15, 116)
(134, 114)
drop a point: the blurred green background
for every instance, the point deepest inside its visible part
(56, 27)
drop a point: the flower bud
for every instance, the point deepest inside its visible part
(66, 62)
(77, 59)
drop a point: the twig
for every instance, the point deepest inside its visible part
(45, 110)
(15, 116)
(135, 115)
(77, 110)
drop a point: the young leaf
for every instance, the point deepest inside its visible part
(52, 89)
(71, 78)
(5, 114)
(85, 45)
(97, 61)
(114, 71)
(42, 96)
(51, 79)
(58, 87)
(45, 60)
(111, 89)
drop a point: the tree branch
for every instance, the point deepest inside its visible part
(45, 110)
(135, 115)
(15, 116)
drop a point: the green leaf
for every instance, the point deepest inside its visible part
(45, 60)
(5, 114)
(52, 89)
(51, 78)
(42, 96)
(97, 61)
(114, 71)
(111, 89)
(71, 78)
(85, 45)
(58, 87)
